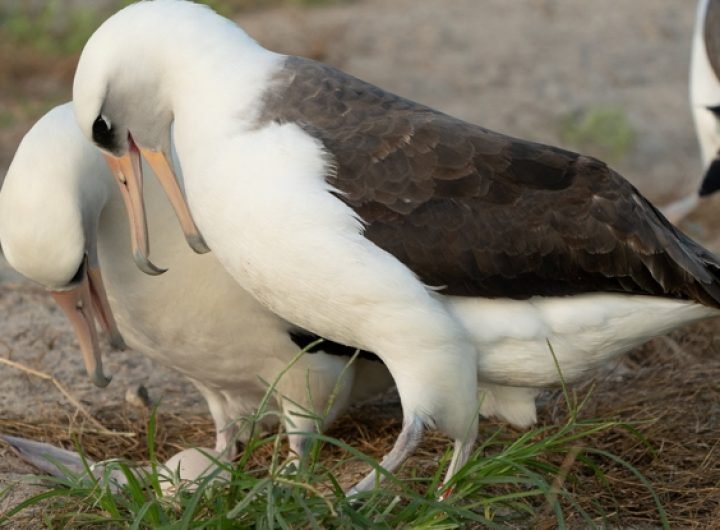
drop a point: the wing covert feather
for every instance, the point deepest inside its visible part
(481, 213)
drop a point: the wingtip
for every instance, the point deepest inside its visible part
(47, 458)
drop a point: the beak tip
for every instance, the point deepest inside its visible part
(197, 243)
(147, 266)
(100, 380)
(118, 343)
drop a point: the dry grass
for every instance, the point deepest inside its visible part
(669, 391)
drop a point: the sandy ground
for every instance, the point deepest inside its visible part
(520, 67)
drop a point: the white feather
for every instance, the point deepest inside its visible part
(195, 318)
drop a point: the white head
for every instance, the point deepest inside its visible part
(43, 227)
(125, 91)
(50, 205)
(124, 82)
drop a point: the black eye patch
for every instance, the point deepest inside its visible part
(103, 134)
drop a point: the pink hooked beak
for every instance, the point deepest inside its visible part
(127, 170)
(82, 304)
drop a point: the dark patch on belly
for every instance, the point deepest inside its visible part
(304, 338)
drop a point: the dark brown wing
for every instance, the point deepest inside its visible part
(711, 34)
(480, 213)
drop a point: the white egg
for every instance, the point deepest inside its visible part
(187, 468)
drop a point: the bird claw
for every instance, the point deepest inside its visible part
(446, 493)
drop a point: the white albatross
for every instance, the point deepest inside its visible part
(336, 204)
(216, 334)
(62, 221)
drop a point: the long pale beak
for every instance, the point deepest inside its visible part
(165, 174)
(103, 313)
(77, 304)
(127, 171)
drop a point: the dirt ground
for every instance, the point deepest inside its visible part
(526, 68)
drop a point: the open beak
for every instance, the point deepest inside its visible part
(127, 171)
(163, 169)
(81, 304)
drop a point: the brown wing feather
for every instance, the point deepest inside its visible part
(480, 213)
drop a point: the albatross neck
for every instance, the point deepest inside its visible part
(216, 84)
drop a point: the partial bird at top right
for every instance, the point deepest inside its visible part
(704, 102)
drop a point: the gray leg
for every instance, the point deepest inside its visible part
(408, 440)
(297, 425)
(226, 430)
(461, 454)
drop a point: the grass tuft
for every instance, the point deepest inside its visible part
(506, 482)
(510, 480)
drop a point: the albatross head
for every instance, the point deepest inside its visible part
(48, 222)
(122, 103)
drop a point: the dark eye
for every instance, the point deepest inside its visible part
(103, 134)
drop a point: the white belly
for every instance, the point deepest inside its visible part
(585, 331)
